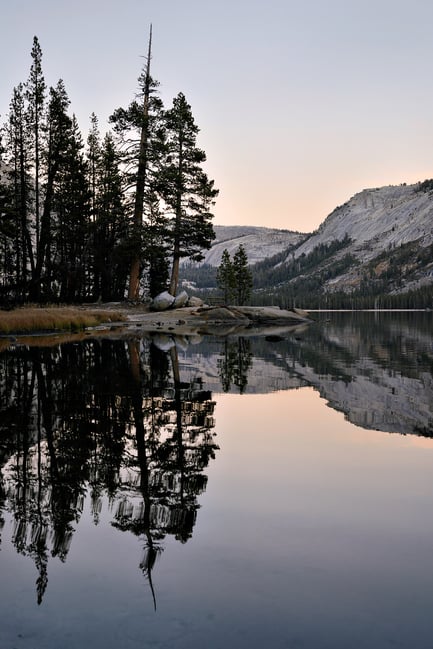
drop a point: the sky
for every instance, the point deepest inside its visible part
(300, 103)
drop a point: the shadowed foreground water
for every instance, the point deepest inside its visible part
(208, 496)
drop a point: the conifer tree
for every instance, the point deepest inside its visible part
(186, 189)
(70, 254)
(93, 159)
(243, 276)
(140, 132)
(225, 278)
(18, 145)
(8, 225)
(35, 94)
(58, 137)
(111, 258)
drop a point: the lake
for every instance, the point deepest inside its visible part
(220, 492)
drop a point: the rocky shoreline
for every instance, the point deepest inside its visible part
(214, 320)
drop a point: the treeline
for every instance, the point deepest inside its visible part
(202, 276)
(307, 294)
(98, 216)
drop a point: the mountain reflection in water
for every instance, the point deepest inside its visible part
(376, 368)
(131, 423)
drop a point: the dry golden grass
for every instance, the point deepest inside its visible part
(34, 319)
(4, 344)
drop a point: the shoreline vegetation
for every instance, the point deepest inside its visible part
(34, 319)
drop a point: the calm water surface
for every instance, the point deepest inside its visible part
(224, 492)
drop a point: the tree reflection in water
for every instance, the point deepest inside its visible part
(104, 418)
(234, 364)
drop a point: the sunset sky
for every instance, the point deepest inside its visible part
(301, 104)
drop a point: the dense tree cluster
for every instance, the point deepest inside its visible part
(100, 217)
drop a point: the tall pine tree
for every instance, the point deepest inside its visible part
(140, 131)
(111, 258)
(186, 189)
(55, 155)
(18, 144)
(70, 254)
(35, 94)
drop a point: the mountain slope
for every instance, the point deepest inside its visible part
(391, 236)
(376, 249)
(379, 218)
(258, 242)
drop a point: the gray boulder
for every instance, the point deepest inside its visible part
(180, 300)
(162, 302)
(195, 301)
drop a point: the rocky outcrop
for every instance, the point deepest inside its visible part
(194, 301)
(218, 320)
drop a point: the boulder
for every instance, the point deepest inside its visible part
(180, 300)
(195, 301)
(162, 302)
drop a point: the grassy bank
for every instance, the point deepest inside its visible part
(35, 319)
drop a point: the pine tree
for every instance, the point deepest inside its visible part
(8, 225)
(18, 146)
(243, 276)
(35, 94)
(71, 203)
(140, 132)
(93, 159)
(225, 278)
(186, 189)
(58, 137)
(110, 252)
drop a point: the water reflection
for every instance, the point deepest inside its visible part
(376, 369)
(105, 418)
(133, 421)
(235, 363)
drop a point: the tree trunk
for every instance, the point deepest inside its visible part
(176, 248)
(174, 274)
(134, 276)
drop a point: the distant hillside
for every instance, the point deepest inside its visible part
(391, 241)
(375, 250)
(258, 242)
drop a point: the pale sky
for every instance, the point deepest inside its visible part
(301, 104)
